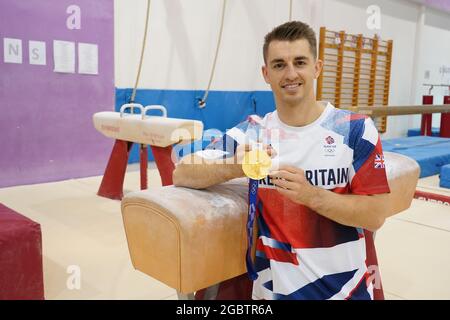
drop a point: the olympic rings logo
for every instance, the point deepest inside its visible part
(254, 188)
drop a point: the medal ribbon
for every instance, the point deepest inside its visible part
(252, 198)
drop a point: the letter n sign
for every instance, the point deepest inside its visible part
(12, 50)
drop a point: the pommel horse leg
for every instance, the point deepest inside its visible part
(143, 156)
(164, 163)
(209, 293)
(112, 182)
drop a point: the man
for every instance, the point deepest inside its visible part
(317, 211)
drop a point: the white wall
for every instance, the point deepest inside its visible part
(436, 53)
(395, 24)
(183, 34)
(182, 41)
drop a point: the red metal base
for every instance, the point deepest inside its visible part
(432, 197)
(445, 121)
(143, 165)
(112, 183)
(425, 127)
(163, 159)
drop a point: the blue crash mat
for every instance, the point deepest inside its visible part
(431, 153)
(435, 131)
(444, 181)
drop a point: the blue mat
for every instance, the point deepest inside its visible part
(416, 132)
(445, 177)
(431, 153)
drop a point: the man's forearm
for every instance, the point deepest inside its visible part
(195, 172)
(368, 212)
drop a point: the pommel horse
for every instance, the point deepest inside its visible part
(160, 132)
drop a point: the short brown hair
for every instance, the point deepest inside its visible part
(291, 31)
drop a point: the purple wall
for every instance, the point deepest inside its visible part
(46, 130)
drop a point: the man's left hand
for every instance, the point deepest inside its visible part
(291, 182)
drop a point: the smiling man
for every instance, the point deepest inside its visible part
(291, 66)
(316, 212)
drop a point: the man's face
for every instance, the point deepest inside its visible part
(290, 70)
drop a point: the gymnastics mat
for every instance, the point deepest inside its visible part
(431, 153)
(21, 272)
(444, 181)
(435, 131)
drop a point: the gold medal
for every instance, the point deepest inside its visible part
(256, 164)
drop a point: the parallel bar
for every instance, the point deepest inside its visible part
(436, 85)
(380, 110)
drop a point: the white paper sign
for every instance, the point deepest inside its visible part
(37, 52)
(12, 50)
(64, 56)
(87, 58)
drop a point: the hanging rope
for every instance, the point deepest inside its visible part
(144, 41)
(202, 102)
(290, 10)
